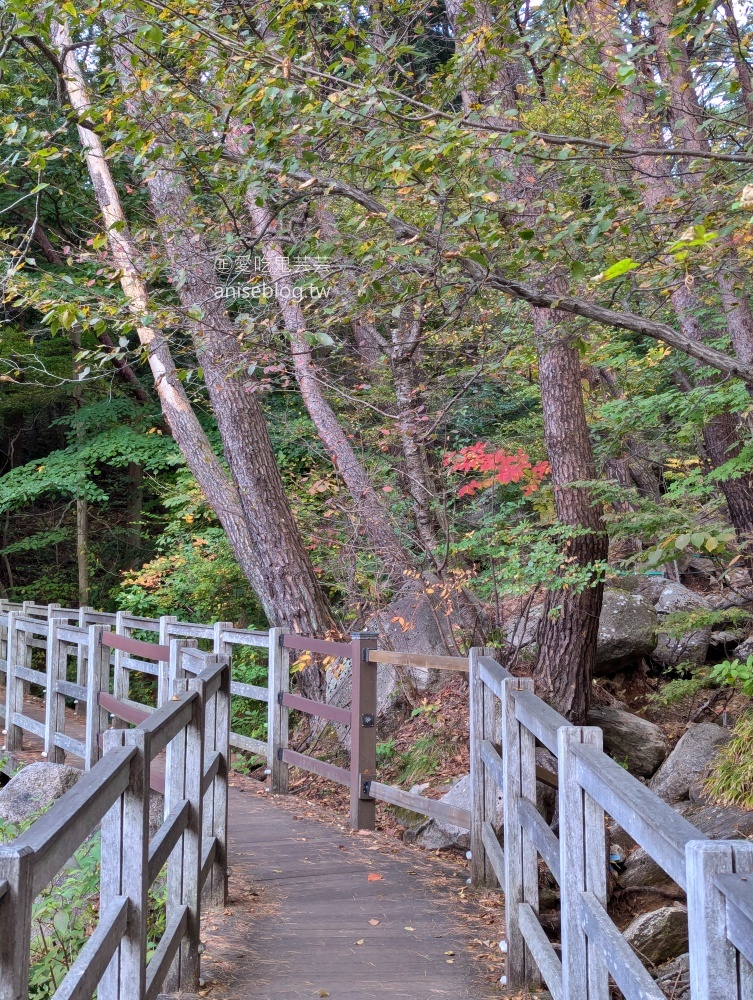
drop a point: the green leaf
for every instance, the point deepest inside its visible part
(618, 269)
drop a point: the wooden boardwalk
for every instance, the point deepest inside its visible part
(309, 918)
(301, 900)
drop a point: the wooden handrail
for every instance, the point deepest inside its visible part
(421, 660)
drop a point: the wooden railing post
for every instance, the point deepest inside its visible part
(81, 666)
(521, 865)
(14, 692)
(175, 684)
(163, 669)
(124, 869)
(120, 675)
(97, 680)
(583, 868)
(363, 731)
(184, 867)
(15, 921)
(484, 725)
(56, 661)
(278, 683)
(716, 970)
(215, 805)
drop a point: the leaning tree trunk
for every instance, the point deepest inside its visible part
(570, 624)
(268, 547)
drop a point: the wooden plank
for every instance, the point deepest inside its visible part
(72, 634)
(320, 709)
(84, 975)
(278, 717)
(493, 674)
(150, 650)
(740, 931)
(480, 867)
(737, 889)
(189, 630)
(31, 625)
(249, 743)
(321, 767)
(70, 819)
(717, 970)
(166, 838)
(166, 951)
(16, 864)
(249, 691)
(139, 666)
(541, 836)
(208, 851)
(440, 811)
(624, 965)
(305, 644)
(29, 724)
(539, 719)
(164, 725)
(210, 771)
(245, 637)
(70, 745)
(494, 852)
(4, 887)
(363, 709)
(32, 676)
(421, 660)
(661, 831)
(493, 763)
(121, 710)
(136, 621)
(543, 953)
(71, 690)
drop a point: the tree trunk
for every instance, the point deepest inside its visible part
(385, 545)
(82, 505)
(267, 546)
(570, 624)
(135, 507)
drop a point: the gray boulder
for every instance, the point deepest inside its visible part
(33, 789)
(521, 631)
(628, 627)
(433, 835)
(691, 647)
(630, 740)
(744, 649)
(660, 935)
(673, 978)
(688, 761)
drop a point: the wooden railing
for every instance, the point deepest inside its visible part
(507, 721)
(66, 635)
(193, 725)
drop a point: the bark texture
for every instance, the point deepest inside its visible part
(570, 624)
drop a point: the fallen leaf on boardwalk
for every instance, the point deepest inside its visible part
(410, 928)
(361, 941)
(449, 953)
(278, 870)
(373, 922)
(374, 877)
(323, 993)
(449, 961)
(227, 913)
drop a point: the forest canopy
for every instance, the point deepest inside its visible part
(316, 312)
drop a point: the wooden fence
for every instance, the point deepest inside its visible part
(194, 726)
(67, 635)
(507, 721)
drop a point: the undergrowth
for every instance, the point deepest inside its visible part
(731, 780)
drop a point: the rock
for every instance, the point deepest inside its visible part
(688, 761)
(691, 647)
(673, 978)
(744, 649)
(33, 789)
(628, 628)
(630, 740)
(720, 822)
(641, 871)
(521, 631)
(660, 935)
(434, 836)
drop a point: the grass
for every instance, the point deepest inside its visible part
(731, 780)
